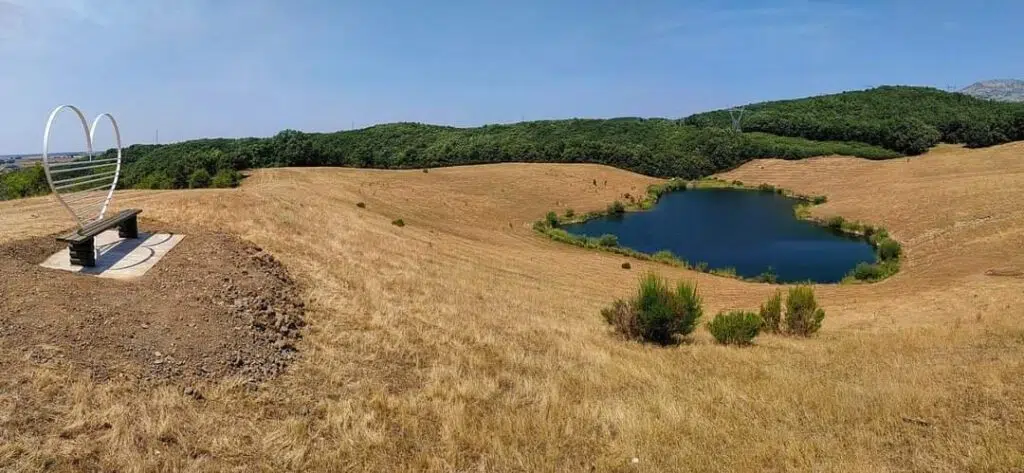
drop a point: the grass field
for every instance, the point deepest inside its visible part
(466, 342)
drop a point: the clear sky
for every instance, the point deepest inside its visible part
(207, 68)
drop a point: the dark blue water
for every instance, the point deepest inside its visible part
(746, 230)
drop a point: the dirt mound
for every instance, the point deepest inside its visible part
(214, 306)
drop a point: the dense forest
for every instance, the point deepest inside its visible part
(880, 123)
(908, 120)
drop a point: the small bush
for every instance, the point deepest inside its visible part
(889, 249)
(766, 188)
(361, 205)
(626, 265)
(570, 213)
(622, 317)
(657, 313)
(665, 256)
(398, 222)
(819, 199)
(608, 240)
(727, 271)
(552, 219)
(735, 328)
(768, 276)
(803, 316)
(702, 266)
(693, 306)
(771, 313)
(868, 272)
(616, 207)
(199, 179)
(595, 182)
(737, 183)
(835, 223)
(425, 171)
(226, 178)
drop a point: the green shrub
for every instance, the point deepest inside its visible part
(616, 207)
(835, 223)
(803, 316)
(26, 182)
(425, 171)
(735, 328)
(608, 240)
(868, 272)
(570, 213)
(664, 256)
(199, 179)
(661, 314)
(727, 271)
(768, 276)
(771, 313)
(226, 178)
(766, 188)
(398, 222)
(889, 249)
(361, 205)
(819, 199)
(552, 219)
(693, 306)
(626, 265)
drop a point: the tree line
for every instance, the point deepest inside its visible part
(909, 120)
(880, 123)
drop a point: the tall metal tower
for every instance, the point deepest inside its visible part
(736, 114)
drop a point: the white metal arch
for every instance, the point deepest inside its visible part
(79, 202)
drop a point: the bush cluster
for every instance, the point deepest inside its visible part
(662, 314)
(657, 313)
(616, 207)
(888, 253)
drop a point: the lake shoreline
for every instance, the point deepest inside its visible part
(886, 263)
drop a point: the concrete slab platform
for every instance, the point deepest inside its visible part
(119, 258)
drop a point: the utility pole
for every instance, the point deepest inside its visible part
(157, 136)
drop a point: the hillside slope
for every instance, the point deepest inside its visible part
(909, 120)
(1002, 90)
(465, 342)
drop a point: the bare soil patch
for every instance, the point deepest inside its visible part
(215, 306)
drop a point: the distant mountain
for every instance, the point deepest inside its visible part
(1003, 90)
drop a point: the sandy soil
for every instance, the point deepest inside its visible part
(465, 342)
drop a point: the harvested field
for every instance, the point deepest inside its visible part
(465, 342)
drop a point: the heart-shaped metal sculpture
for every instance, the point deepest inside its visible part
(86, 186)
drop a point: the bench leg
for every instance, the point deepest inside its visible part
(83, 254)
(128, 228)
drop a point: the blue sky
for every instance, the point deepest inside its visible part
(205, 68)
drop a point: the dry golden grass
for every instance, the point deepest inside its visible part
(465, 342)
